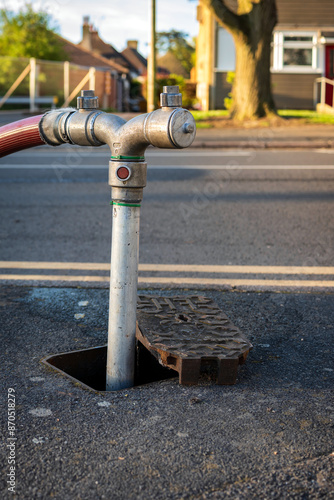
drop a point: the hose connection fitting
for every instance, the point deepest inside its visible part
(69, 126)
(168, 127)
(72, 126)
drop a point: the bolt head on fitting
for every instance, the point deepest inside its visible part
(171, 97)
(87, 100)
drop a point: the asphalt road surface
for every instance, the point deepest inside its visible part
(209, 217)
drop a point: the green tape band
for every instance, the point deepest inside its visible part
(121, 157)
(125, 204)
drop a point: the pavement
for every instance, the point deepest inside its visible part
(279, 137)
(268, 436)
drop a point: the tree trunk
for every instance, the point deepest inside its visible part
(251, 92)
(251, 29)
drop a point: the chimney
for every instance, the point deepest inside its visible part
(86, 42)
(132, 44)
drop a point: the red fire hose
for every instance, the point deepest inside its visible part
(19, 135)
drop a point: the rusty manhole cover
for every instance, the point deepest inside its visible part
(188, 334)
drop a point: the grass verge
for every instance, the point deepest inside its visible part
(217, 118)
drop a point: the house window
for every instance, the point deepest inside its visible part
(295, 52)
(225, 52)
(297, 57)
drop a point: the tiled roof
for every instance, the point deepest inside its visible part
(136, 60)
(83, 57)
(105, 49)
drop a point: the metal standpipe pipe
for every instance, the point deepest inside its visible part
(123, 297)
(124, 270)
(171, 126)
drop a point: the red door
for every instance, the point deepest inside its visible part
(329, 73)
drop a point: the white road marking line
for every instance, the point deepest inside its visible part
(15, 166)
(56, 167)
(242, 167)
(88, 266)
(189, 268)
(232, 269)
(53, 277)
(236, 282)
(176, 268)
(149, 153)
(103, 151)
(176, 281)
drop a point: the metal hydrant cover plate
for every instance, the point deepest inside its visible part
(187, 333)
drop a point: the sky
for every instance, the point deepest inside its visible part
(116, 20)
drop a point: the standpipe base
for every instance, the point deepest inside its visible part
(188, 335)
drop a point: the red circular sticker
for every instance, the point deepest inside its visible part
(123, 173)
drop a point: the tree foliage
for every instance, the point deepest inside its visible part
(177, 44)
(29, 34)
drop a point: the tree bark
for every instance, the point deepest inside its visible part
(251, 28)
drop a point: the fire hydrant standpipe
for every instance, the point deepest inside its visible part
(171, 126)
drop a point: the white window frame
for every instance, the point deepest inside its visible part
(280, 44)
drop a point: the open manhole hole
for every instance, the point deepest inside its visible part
(88, 367)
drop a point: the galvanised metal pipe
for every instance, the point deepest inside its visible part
(123, 297)
(124, 271)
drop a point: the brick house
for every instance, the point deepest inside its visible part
(302, 51)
